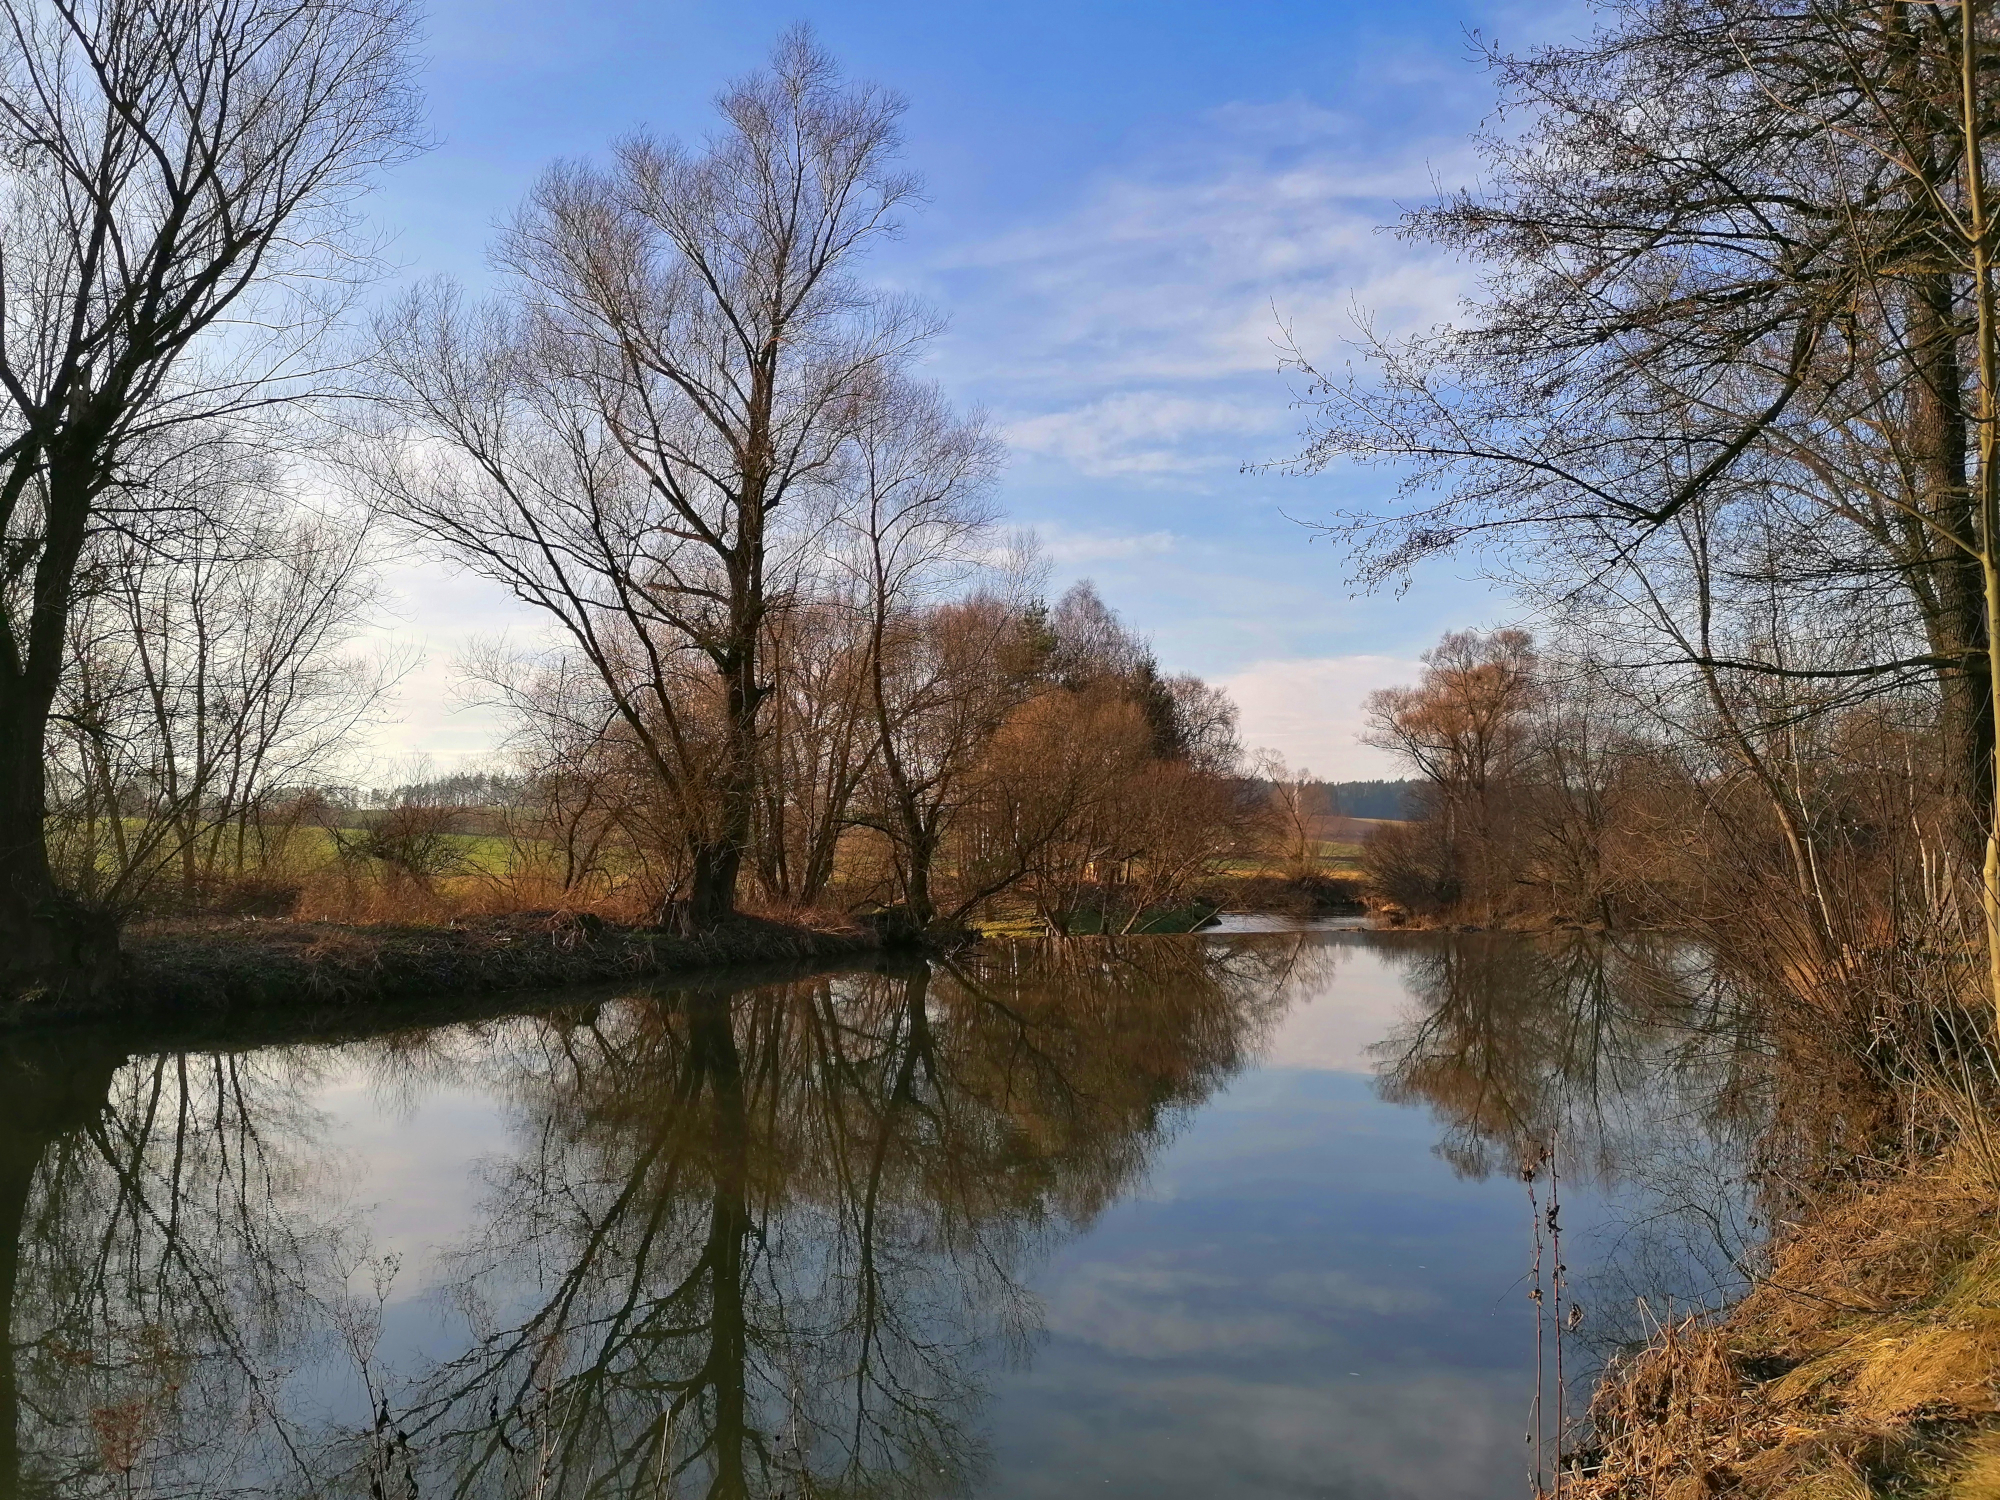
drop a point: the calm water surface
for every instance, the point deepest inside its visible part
(1173, 1217)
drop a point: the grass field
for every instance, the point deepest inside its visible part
(1332, 859)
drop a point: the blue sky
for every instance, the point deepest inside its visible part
(1124, 202)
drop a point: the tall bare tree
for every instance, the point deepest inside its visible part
(174, 207)
(208, 677)
(682, 356)
(1737, 307)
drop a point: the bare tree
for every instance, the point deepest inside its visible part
(1738, 303)
(1292, 807)
(1055, 780)
(818, 743)
(920, 521)
(1465, 728)
(206, 678)
(683, 356)
(172, 215)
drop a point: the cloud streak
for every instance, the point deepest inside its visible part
(1138, 333)
(1072, 548)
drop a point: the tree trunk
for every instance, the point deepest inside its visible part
(49, 943)
(712, 887)
(1979, 232)
(717, 858)
(718, 862)
(712, 1041)
(917, 893)
(1946, 573)
(46, 1091)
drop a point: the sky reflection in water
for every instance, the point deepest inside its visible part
(1228, 1216)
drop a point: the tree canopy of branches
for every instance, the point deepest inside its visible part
(792, 659)
(173, 233)
(637, 439)
(688, 435)
(208, 683)
(1727, 391)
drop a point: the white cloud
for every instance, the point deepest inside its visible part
(1145, 433)
(438, 614)
(1154, 1312)
(1310, 709)
(1399, 1434)
(1350, 999)
(1137, 334)
(1162, 1311)
(1071, 548)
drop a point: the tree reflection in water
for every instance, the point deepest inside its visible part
(1632, 1053)
(744, 1243)
(165, 1251)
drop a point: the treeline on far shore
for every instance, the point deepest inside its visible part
(980, 756)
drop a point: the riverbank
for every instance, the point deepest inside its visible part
(1221, 894)
(216, 968)
(1866, 1363)
(1395, 919)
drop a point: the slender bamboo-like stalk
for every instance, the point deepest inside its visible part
(1979, 232)
(1528, 1171)
(1556, 1305)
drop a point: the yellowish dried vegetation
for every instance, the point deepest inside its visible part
(1867, 1363)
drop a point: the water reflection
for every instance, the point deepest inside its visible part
(740, 1243)
(779, 1239)
(1519, 1039)
(758, 1238)
(164, 1253)
(1634, 1063)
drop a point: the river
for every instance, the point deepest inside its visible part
(1239, 1214)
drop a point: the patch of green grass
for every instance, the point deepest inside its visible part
(484, 853)
(1010, 926)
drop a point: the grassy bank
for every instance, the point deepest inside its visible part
(1866, 1363)
(215, 968)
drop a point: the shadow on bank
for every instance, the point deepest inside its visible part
(195, 968)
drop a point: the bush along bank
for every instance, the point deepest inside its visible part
(209, 968)
(1299, 895)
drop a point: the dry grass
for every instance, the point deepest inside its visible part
(1285, 894)
(335, 894)
(1866, 1364)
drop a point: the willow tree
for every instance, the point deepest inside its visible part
(634, 435)
(175, 181)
